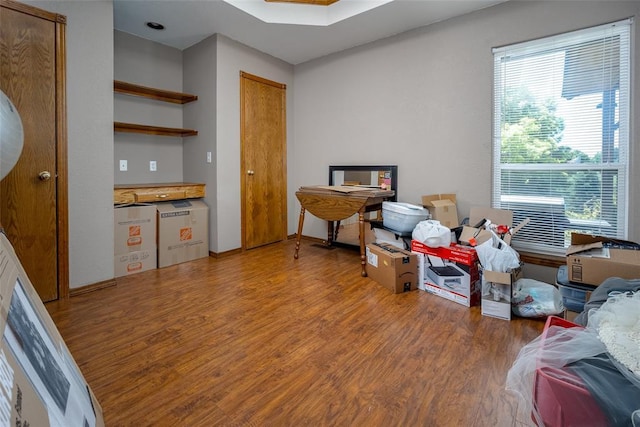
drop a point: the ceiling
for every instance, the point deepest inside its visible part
(189, 21)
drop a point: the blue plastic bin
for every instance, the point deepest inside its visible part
(574, 296)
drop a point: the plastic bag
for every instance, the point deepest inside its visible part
(610, 287)
(547, 387)
(496, 255)
(618, 324)
(532, 298)
(432, 233)
(569, 373)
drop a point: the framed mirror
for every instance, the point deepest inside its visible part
(381, 176)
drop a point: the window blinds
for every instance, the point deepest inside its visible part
(561, 135)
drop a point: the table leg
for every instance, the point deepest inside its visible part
(300, 224)
(363, 257)
(329, 233)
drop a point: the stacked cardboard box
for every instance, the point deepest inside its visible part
(442, 207)
(135, 239)
(183, 232)
(497, 286)
(455, 272)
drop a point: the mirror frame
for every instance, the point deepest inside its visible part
(392, 168)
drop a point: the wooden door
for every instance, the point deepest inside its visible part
(33, 195)
(263, 161)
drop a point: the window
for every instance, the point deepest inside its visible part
(561, 135)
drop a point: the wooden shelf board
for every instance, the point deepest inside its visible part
(153, 93)
(153, 130)
(144, 193)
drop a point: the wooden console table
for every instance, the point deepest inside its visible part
(335, 203)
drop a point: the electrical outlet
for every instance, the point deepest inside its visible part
(123, 165)
(153, 166)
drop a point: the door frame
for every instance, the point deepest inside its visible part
(243, 166)
(61, 173)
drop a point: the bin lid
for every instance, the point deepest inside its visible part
(404, 208)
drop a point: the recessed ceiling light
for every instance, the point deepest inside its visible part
(155, 26)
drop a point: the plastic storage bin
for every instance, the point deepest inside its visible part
(559, 396)
(402, 217)
(574, 296)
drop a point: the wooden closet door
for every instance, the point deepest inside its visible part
(263, 161)
(32, 76)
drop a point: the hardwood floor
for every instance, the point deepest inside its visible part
(261, 339)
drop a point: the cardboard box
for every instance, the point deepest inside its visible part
(385, 236)
(442, 207)
(134, 262)
(134, 228)
(497, 216)
(41, 383)
(570, 315)
(497, 291)
(183, 232)
(475, 236)
(394, 268)
(449, 272)
(592, 259)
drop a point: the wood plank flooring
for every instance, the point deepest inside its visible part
(261, 339)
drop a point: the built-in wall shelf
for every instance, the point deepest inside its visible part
(152, 130)
(145, 193)
(158, 95)
(153, 93)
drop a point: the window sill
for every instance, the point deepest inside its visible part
(543, 260)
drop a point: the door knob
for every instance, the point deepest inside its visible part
(44, 176)
(250, 172)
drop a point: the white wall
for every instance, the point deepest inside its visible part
(234, 57)
(90, 137)
(423, 100)
(199, 78)
(150, 64)
(212, 71)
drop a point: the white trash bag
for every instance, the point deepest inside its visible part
(496, 255)
(432, 233)
(532, 298)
